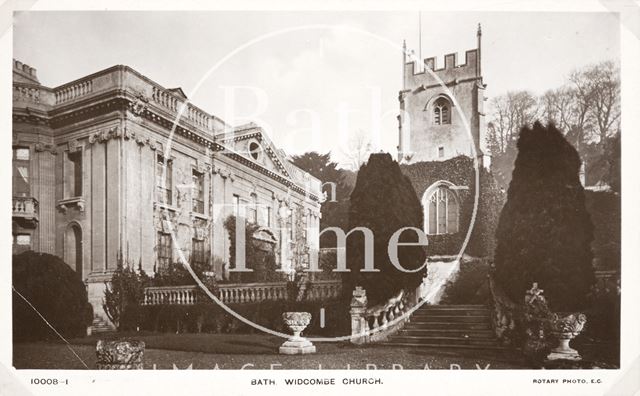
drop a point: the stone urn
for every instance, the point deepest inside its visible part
(297, 345)
(564, 330)
(120, 355)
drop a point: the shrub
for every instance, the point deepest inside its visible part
(544, 232)
(123, 297)
(56, 291)
(470, 286)
(384, 201)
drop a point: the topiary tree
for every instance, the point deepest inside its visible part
(55, 291)
(544, 232)
(384, 201)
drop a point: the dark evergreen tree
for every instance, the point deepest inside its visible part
(54, 292)
(338, 184)
(384, 201)
(544, 232)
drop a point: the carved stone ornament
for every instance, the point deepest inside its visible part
(103, 136)
(139, 105)
(73, 145)
(359, 298)
(297, 345)
(120, 355)
(41, 147)
(564, 329)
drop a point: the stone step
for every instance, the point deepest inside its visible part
(450, 319)
(452, 312)
(414, 324)
(441, 347)
(443, 340)
(447, 332)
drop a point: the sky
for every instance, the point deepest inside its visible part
(316, 81)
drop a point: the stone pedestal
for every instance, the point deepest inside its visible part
(563, 351)
(120, 355)
(297, 345)
(300, 346)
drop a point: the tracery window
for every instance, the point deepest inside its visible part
(442, 212)
(441, 112)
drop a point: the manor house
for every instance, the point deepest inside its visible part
(113, 166)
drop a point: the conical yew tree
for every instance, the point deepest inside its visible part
(545, 232)
(384, 201)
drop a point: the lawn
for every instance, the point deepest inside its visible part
(256, 351)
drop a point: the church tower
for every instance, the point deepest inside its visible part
(437, 104)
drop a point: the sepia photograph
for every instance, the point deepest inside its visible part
(320, 190)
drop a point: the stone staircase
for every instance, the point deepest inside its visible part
(448, 326)
(100, 325)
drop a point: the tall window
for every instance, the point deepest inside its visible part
(197, 201)
(441, 110)
(442, 212)
(73, 174)
(164, 250)
(164, 180)
(252, 210)
(21, 171)
(236, 206)
(197, 253)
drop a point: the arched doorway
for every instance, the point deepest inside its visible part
(73, 248)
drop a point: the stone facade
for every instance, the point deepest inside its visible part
(108, 167)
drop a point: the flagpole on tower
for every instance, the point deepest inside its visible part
(420, 40)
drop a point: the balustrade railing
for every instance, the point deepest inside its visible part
(378, 322)
(323, 290)
(25, 207)
(24, 93)
(252, 292)
(238, 293)
(171, 295)
(165, 99)
(73, 91)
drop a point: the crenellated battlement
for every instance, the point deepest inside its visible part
(451, 72)
(25, 70)
(470, 66)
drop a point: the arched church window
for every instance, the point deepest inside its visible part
(441, 112)
(442, 212)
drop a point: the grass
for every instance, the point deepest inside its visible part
(227, 351)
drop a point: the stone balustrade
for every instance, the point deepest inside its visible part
(171, 295)
(324, 290)
(164, 99)
(240, 293)
(25, 208)
(70, 92)
(379, 322)
(26, 93)
(198, 117)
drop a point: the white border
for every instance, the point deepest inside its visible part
(616, 382)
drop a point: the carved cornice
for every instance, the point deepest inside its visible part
(138, 104)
